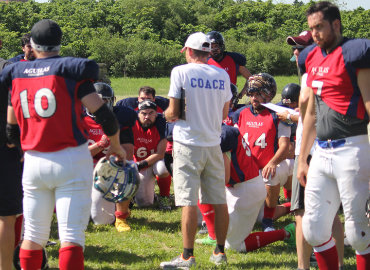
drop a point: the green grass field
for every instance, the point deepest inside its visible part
(129, 87)
(156, 235)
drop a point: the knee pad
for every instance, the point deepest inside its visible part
(159, 168)
(358, 235)
(315, 232)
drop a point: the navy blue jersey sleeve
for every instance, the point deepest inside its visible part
(238, 58)
(357, 52)
(126, 116)
(160, 124)
(302, 58)
(78, 69)
(235, 115)
(229, 138)
(130, 102)
(162, 102)
(17, 58)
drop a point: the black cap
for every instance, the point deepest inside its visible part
(46, 35)
(147, 104)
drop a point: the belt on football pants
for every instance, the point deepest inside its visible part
(331, 143)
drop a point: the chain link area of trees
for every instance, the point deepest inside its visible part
(142, 38)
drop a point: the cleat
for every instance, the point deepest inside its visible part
(206, 241)
(164, 203)
(290, 228)
(121, 225)
(218, 259)
(203, 229)
(267, 225)
(179, 263)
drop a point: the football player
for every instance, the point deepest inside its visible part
(268, 139)
(103, 211)
(164, 183)
(47, 99)
(242, 178)
(338, 80)
(233, 63)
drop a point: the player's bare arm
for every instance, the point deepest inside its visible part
(363, 80)
(161, 150)
(308, 137)
(280, 155)
(244, 72)
(94, 103)
(227, 164)
(286, 116)
(173, 111)
(225, 110)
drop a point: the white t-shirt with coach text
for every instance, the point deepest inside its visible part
(207, 89)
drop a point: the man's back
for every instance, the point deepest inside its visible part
(46, 101)
(207, 89)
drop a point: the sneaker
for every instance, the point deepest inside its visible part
(267, 225)
(291, 230)
(50, 243)
(179, 263)
(121, 225)
(218, 259)
(206, 241)
(164, 203)
(203, 229)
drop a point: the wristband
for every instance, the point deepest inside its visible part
(142, 165)
(289, 119)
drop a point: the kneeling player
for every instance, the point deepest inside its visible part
(242, 178)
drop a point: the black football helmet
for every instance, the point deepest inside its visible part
(262, 83)
(106, 93)
(217, 38)
(290, 93)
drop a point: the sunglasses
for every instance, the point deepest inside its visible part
(299, 48)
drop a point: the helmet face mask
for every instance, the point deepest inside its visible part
(263, 84)
(290, 94)
(118, 182)
(217, 46)
(106, 93)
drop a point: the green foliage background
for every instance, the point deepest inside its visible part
(141, 38)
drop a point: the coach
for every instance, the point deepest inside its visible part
(198, 162)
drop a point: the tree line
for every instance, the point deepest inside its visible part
(143, 38)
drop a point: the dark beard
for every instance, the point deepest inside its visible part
(147, 125)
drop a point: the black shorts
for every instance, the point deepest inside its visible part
(11, 193)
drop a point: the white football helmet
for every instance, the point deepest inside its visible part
(117, 181)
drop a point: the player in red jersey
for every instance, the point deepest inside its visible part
(164, 183)
(149, 148)
(337, 115)
(232, 62)
(47, 99)
(26, 48)
(145, 92)
(103, 211)
(242, 177)
(268, 139)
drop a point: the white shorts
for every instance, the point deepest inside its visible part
(244, 202)
(338, 175)
(198, 170)
(145, 194)
(281, 175)
(61, 178)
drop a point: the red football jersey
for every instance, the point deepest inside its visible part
(229, 65)
(260, 132)
(95, 133)
(146, 140)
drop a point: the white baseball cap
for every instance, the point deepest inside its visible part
(198, 41)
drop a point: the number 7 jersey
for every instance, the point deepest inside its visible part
(45, 98)
(333, 78)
